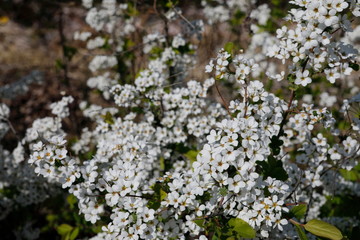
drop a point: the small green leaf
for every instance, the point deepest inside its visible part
(354, 66)
(301, 233)
(293, 87)
(323, 229)
(199, 222)
(96, 229)
(191, 155)
(299, 211)
(51, 217)
(74, 234)
(229, 47)
(108, 118)
(242, 228)
(59, 64)
(273, 167)
(153, 204)
(159, 195)
(69, 52)
(351, 175)
(66, 236)
(163, 194)
(162, 163)
(71, 200)
(215, 237)
(64, 229)
(223, 191)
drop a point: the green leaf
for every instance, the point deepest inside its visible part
(162, 163)
(238, 18)
(215, 237)
(204, 198)
(276, 2)
(159, 195)
(191, 155)
(64, 229)
(223, 191)
(199, 222)
(131, 10)
(106, 45)
(71, 200)
(300, 232)
(153, 204)
(273, 168)
(299, 211)
(51, 217)
(69, 52)
(242, 228)
(108, 118)
(163, 194)
(293, 87)
(351, 175)
(96, 229)
(59, 64)
(74, 233)
(66, 236)
(275, 145)
(229, 47)
(323, 229)
(354, 66)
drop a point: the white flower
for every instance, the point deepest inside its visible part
(302, 78)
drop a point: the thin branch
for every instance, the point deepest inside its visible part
(12, 129)
(296, 186)
(140, 45)
(63, 45)
(295, 222)
(309, 204)
(184, 18)
(294, 204)
(60, 4)
(222, 98)
(286, 112)
(340, 162)
(246, 101)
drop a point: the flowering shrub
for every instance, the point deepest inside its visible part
(166, 160)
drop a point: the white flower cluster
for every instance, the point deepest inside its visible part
(228, 163)
(143, 176)
(312, 45)
(61, 109)
(101, 62)
(313, 165)
(21, 182)
(53, 163)
(110, 19)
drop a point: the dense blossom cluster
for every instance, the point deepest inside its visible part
(166, 162)
(310, 45)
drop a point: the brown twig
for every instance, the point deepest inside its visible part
(294, 204)
(286, 113)
(184, 18)
(296, 186)
(246, 101)
(63, 43)
(295, 222)
(222, 98)
(309, 204)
